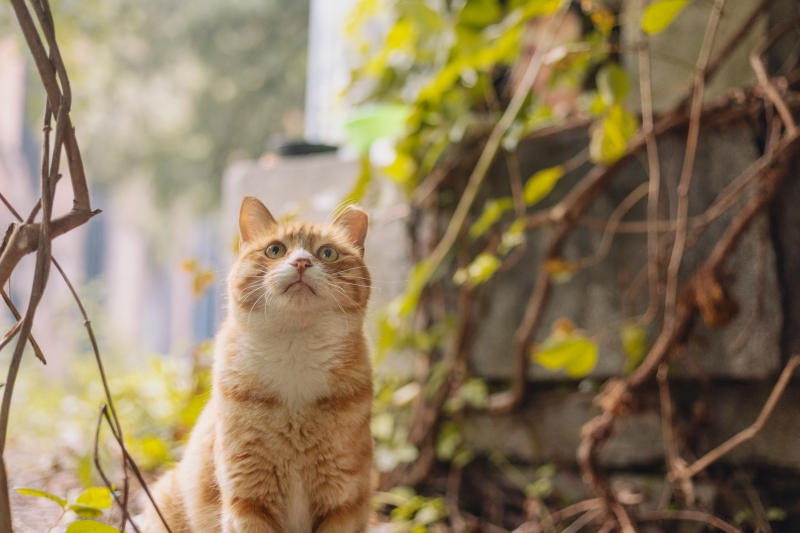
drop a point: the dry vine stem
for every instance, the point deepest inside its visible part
(30, 236)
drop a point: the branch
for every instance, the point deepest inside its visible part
(746, 434)
(696, 516)
(688, 161)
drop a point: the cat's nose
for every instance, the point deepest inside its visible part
(301, 264)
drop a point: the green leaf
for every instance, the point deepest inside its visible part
(513, 237)
(479, 13)
(541, 488)
(775, 514)
(634, 343)
(571, 352)
(492, 211)
(99, 497)
(479, 271)
(610, 137)
(42, 494)
(613, 84)
(447, 441)
(475, 392)
(90, 526)
(541, 183)
(369, 123)
(86, 511)
(658, 15)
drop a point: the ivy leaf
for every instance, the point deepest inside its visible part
(634, 343)
(492, 211)
(567, 349)
(513, 237)
(42, 494)
(99, 497)
(610, 137)
(541, 183)
(658, 15)
(86, 511)
(776, 514)
(479, 13)
(447, 441)
(370, 123)
(90, 526)
(613, 84)
(475, 392)
(479, 271)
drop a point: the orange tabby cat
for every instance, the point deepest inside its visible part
(284, 444)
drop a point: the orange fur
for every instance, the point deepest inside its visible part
(284, 444)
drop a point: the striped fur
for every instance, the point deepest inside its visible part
(284, 444)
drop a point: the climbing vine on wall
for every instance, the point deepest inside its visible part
(445, 89)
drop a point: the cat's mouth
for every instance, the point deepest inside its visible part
(300, 285)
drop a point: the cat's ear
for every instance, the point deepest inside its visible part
(254, 219)
(355, 222)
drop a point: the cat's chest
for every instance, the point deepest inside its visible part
(297, 370)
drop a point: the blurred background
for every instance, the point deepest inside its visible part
(181, 108)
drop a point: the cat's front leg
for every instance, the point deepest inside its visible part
(241, 515)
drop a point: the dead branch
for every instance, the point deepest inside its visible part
(696, 516)
(746, 434)
(679, 245)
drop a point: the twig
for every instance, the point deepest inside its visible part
(608, 235)
(696, 516)
(96, 457)
(688, 161)
(748, 433)
(37, 351)
(572, 510)
(654, 178)
(451, 499)
(763, 78)
(578, 524)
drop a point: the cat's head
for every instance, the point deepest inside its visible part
(300, 269)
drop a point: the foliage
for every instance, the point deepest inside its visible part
(567, 348)
(412, 513)
(659, 15)
(158, 400)
(94, 502)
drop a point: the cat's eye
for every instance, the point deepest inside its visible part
(328, 253)
(276, 250)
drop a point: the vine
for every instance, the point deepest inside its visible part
(477, 80)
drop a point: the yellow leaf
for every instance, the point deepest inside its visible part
(573, 352)
(480, 270)
(541, 183)
(658, 15)
(634, 343)
(99, 497)
(492, 211)
(41, 494)
(610, 137)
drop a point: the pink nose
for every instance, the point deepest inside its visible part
(301, 264)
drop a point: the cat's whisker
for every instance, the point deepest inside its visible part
(346, 321)
(359, 285)
(344, 293)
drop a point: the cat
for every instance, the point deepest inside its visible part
(284, 443)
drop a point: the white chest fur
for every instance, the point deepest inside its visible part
(293, 364)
